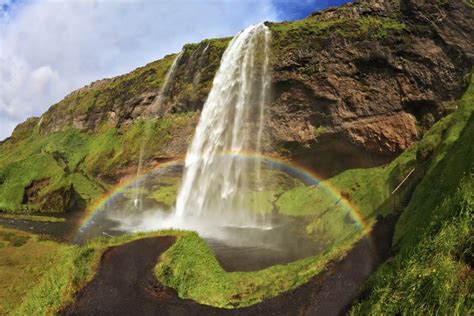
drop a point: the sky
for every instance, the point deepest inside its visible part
(48, 48)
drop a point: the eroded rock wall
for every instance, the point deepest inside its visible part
(352, 87)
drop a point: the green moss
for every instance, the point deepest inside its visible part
(190, 267)
(110, 91)
(434, 276)
(55, 157)
(320, 130)
(166, 194)
(71, 158)
(216, 42)
(325, 206)
(379, 27)
(450, 155)
(297, 34)
(431, 272)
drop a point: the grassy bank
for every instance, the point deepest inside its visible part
(35, 218)
(190, 267)
(48, 287)
(24, 260)
(333, 209)
(432, 272)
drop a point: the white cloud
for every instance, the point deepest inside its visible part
(49, 48)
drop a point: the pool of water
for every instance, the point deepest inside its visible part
(236, 248)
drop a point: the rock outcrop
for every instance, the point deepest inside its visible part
(356, 85)
(352, 86)
(371, 75)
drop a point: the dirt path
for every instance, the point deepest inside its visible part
(125, 284)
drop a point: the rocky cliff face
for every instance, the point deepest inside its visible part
(352, 87)
(356, 85)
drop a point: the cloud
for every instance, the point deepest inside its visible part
(49, 48)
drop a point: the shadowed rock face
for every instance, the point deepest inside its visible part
(355, 100)
(353, 86)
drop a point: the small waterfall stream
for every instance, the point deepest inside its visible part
(218, 181)
(155, 109)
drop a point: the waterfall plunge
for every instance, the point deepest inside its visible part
(218, 180)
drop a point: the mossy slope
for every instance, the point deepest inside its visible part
(76, 162)
(431, 274)
(432, 269)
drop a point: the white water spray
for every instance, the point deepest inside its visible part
(217, 188)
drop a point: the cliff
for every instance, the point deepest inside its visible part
(353, 86)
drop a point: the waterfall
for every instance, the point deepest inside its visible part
(218, 179)
(155, 108)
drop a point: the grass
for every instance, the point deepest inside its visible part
(70, 157)
(190, 267)
(432, 272)
(54, 157)
(36, 218)
(429, 275)
(166, 194)
(73, 268)
(434, 276)
(362, 191)
(24, 259)
(300, 33)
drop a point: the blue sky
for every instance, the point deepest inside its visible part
(50, 47)
(298, 9)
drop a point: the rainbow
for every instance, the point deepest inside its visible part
(302, 172)
(114, 192)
